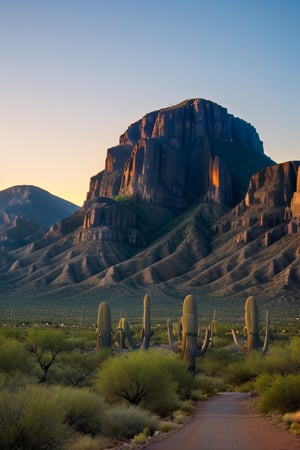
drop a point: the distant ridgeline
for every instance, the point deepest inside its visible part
(187, 201)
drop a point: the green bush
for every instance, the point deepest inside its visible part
(32, 419)
(263, 382)
(76, 368)
(282, 396)
(140, 438)
(151, 379)
(127, 421)
(84, 411)
(13, 357)
(209, 385)
(239, 373)
(295, 355)
(89, 443)
(295, 428)
(165, 427)
(179, 416)
(216, 361)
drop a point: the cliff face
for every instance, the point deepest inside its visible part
(195, 155)
(274, 185)
(177, 155)
(295, 202)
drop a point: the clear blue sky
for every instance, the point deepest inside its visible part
(74, 74)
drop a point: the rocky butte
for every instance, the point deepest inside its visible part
(188, 202)
(180, 154)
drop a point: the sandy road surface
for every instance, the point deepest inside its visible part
(226, 422)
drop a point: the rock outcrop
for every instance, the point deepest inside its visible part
(271, 205)
(177, 155)
(188, 202)
(273, 186)
(295, 202)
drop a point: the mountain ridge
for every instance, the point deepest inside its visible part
(210, 215)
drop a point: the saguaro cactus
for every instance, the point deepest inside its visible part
(123, 332)
(189, 333)
(251, 328)
(104, 327)
(189, 346)
(146, 330)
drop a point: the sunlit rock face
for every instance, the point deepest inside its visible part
(295, 202)
(175, 156)
(274, 186)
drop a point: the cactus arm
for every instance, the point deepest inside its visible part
(146, 331)
(170, 334)
(251, 324)
(265, 346)
(236, 342)
(206, 341)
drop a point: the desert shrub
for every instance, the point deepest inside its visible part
(84, 411)
(209, 385)
(165, 427)
(89, 443)
(127, 421)
(282, 396)
(215, 361)
(149, 379)
(295, 355)
(76, 368)
(15, 333)
(292, 417)
(187, 407)
(277, 360)
(198, 396)
(13, 357)
(263, 382)
(239, 373)
(222, 334)
(247, 386)
(45, 346)
(295, 428)
(140, 438)
(179, 416)
(32, 419)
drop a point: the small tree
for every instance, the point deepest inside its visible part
(149, 379)
(45, 346)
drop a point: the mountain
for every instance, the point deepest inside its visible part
(26, 212)
(175, 156)
(187, 203)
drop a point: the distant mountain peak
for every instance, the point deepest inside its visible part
(35, 204)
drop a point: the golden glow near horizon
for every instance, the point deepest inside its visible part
(69, 87)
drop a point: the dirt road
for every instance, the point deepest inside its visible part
(226, 422)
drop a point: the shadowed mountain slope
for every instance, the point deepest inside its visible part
(188, 202)
(25, 214)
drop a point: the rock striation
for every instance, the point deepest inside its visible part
(187, 202)
(295, 202)
(175, 156)
(271, 205)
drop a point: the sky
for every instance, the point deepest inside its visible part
(74, 74)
